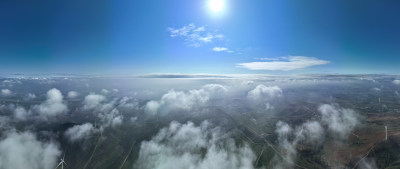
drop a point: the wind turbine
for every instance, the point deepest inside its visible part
(386, 132)
(62, 162)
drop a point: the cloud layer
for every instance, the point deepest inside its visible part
(286, 64)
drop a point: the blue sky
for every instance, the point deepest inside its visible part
(187, 36)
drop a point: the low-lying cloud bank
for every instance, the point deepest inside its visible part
(183, 146)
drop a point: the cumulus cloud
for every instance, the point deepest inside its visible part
(80, 132)
(262, 92)
(396, 82)
(24, 150)
(93, 100)
(72, 94)
(220, 49)
(53, 105)
(20, 113)
(265, 95)
(340, 121)
(194, 36)
(6, 92)
(31, 96)
(285, 64)
(182, 146)
(179, 100)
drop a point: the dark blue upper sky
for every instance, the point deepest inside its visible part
(198, 36)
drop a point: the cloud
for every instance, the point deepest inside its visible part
(220, 49)
(367, 163)
(30, 96)
(6, 92)
(262, 92)
(80, 132)
(182, 146)
(110, 118)
(21, 114)
(93, 100)
(336, 121)
(105, 91)
(396, 82)
(179, 100)
(286, 64)
(194, 36)
(23, 150)
(53, 106)
(340, 121)
(72, 94)
(264, 95)
(311, 133)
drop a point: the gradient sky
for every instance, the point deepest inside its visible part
(137, 36)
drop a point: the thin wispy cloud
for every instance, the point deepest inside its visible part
(284, 64)
(194, 36)
(220, 49)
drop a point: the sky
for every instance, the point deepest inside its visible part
(128, 37)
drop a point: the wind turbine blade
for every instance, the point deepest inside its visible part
(58, 165)
(65, 163)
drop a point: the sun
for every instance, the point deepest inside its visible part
(216, 6)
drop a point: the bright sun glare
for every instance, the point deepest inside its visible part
(216, 6)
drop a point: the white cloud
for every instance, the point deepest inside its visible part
(180, 146)
(263, 93)
(93, 100)
(310, 133)
(6, 92)
(286, 64)
(105, 91)
(194, 36)
(179, 100)
(396, 82)
(72, 94)
(80, 132)
(20, 113)
(23, 150)
(53, 106)
(336, 121)
(220, 49)
(341, 122)
(31, 96)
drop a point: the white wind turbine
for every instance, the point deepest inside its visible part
(62, 163)
(386, 132)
